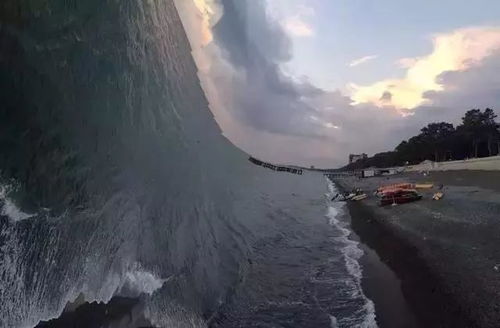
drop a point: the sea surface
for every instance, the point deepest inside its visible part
(115, 180)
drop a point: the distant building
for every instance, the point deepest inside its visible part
(353, 158)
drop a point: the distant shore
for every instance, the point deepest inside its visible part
(446, 253)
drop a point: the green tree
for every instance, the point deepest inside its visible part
(413, 151)
(475, 137)
(490, 129)
(471, 128)
(437, 136)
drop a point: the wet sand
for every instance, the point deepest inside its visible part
(381, 285)
(446, 253)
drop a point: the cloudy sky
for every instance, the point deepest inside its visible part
(310, 81)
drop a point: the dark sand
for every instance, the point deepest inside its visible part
(446, 253)
(381, 285)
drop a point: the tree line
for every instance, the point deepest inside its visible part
(477, 136)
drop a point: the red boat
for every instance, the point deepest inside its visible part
(400, 196)
(395, 187)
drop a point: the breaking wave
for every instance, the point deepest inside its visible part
(351, 253)
(104, 127)
(7, 206)
(139, 281)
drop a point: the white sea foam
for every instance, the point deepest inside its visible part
(370, 318)
(8, 208)
(133, 282)
(139, 281)
(333, 322)
(351, 253)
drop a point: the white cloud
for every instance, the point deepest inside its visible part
(322, 123)
(362, 60)
(306, 10)
(296, 26)
(295, 19)
(330, 125)
(406, 62)
(455, 51)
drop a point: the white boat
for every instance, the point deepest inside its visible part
(359, 197)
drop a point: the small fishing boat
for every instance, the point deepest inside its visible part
(348, 197)
(400, 196)
(343, 197)
(438, 196)
(424, 185)
(359, 197)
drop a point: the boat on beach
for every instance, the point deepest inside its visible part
(424, 186)
(395, 187)
(400, 196)
(359, 197)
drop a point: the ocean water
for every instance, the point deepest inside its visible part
(305, 273)
(115, 180)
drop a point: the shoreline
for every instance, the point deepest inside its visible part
(383, 287)
(424, 264)
(444, 252)
(420, 286)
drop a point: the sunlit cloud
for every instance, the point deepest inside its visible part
(331, 126)
(328, 125)
(406, 62)
(207, 13)
(294, 122)
(455, 51)
(362, 60)
(296, 26)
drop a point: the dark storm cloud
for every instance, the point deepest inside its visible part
(268, 100)
(386, 96)
(264, 97)
(249, 35)
(477, 87)
(292, 121)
